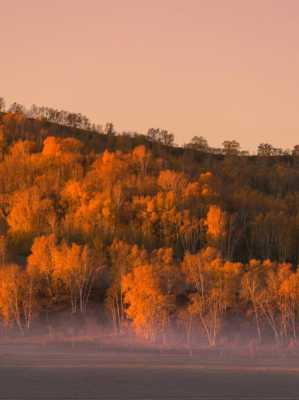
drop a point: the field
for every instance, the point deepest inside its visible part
(65, 372)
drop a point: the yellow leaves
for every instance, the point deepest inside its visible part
(89, 209)
(29, 212)
(190, 231)
(166, 270)
(164, 256)
(157, 204)
(213, 286)
(9, 287)
(41, 257)
(204, 187)
(22, 148)
(267, 263)
(123, 258)
(67, 260)
(206, 191)
(141, 156)
(215, 222)
(69, 268)
(51, 146)
(109, 169)
(207, 184)
(206, 177)
(253, 263)
(289, 288)
(74, 192)
(70, 145)
(62, 155)
(194, 265)
(17, 296)
(139, 152)
(83, 207)
(170, 200)
(192, 189)
(108, 210)
(206, 271)
(108, 157)
(232, 267)
(147, 305)
(172, 181)
(150, 205)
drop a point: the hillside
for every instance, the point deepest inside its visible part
(136, 224)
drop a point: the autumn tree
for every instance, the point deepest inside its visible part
(289, 304)
(216, 223)
(265, 150)
(171, 181)
(22, 148)
(142, 157)
(161, 136)
(17, 297)
(191, 232)
(251, 288)
(272, 290)
(212, 289)
(147, 303)
(109, 129)
(84, 209)
(231, 147)
(40, 265)
(30, 214)
(76, 267)
(123, 258)
(198, 143)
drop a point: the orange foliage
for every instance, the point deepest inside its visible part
(215, 222)
(214, 285)
(141, 156)
(51, 146)
(17, 296)
(30, 213)
(172, 181)
(148, 306)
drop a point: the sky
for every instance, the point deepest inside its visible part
(222, 69)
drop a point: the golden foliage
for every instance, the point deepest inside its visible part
(30, 213)
(215, 222)
(17, 296)
(148, 306)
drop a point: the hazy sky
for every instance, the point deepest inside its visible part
(223, 69)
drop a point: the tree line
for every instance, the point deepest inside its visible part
(153, 135)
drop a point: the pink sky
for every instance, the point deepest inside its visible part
(224, 69)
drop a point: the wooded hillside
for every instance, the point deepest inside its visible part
(161, 235)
